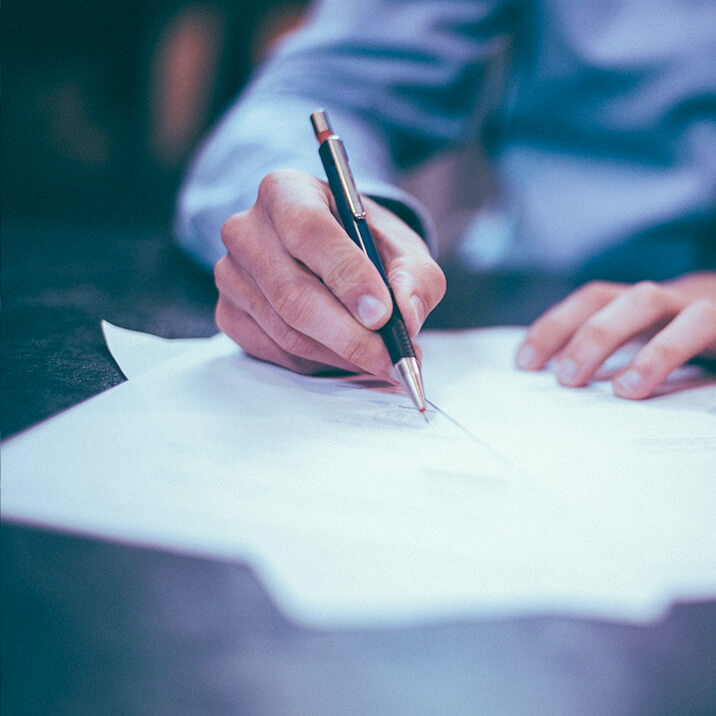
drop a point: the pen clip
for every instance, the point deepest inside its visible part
(332, 142)
(345, 176)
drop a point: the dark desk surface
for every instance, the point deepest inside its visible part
(91, 627)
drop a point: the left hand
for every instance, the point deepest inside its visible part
(588, 326)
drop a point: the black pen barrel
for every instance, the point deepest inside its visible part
(395, 335)
(353, 217)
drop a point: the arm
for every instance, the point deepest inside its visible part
(401, 80)
(293, 289)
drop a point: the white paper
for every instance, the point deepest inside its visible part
(356, 512)
(136, 352)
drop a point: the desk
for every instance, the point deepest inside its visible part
(100, 628)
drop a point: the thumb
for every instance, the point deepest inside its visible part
(417, 281)
(418, 285)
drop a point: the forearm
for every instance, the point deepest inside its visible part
(392, 76)
(259, 135)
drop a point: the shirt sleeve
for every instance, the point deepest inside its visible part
(400, 80)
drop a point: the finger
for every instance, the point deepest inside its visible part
(298, 297)
(632, 312)
(298, 208)
(692, 332)
(241, 293)
(417, 281)
(242, 329)
(307, 308)
(551, 332)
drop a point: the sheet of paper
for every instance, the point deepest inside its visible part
(356, 512)
(642, 475)
(136, 352)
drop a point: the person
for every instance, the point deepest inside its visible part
(599, 118)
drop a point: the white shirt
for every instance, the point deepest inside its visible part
(599, 115)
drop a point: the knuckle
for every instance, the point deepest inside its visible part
(595, 334)
(242, 330)
(271, 185)
(274, 188)
(220, 272)
(221, 316)
(233, 229)
(301, 221)
(435, 278)
(253, 303)
(344, 273)
(292, 301)
(230, 321)
(596, 290)
(292, 341)
(355, 351)
(401, 276)
(228, 278)
(665, 353)
(236, 291)
(549, 324)
(648, 294)
(424, 278)
(706, 308)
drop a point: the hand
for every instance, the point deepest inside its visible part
(296, 291)
(679, 317)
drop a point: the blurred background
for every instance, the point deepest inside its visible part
(102, 107)
(103, 103)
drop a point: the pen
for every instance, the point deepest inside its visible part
(353, 217)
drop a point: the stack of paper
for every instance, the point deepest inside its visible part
(518, 496)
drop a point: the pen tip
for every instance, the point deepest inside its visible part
(408, 373)
(425, 415)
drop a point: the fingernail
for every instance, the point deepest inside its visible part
(419, 309)
(566, 370)
(525, 357)
(370, 310)
(629, 382)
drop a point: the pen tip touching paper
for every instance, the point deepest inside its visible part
(408, 373)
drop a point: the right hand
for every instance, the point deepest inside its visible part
(296, 291)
